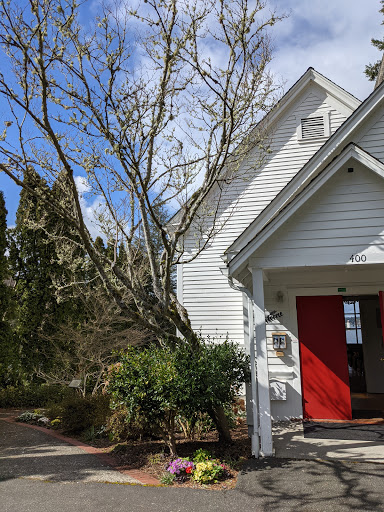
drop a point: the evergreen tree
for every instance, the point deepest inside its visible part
(372, 70)
(37, 269)
(8, 349)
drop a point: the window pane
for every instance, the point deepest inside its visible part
(351, 336)
(349, 322)
(359, 336)
(349, 308)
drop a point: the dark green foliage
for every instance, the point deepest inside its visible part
(159, 384)
(120, 429)
(35, 267)
(8, 347)
(78, 414)
(372, 70)
(33, 395)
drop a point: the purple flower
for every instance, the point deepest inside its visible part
(179, 466)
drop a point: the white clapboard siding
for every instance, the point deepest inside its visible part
(373, 140)
(313, 235)
(214, 308)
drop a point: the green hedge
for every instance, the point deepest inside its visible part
(33, 395)
(77, 414)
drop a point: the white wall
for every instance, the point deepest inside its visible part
(213, 307)
(344, 218)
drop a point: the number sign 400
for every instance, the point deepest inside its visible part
(358, 258)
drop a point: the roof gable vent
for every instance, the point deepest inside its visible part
(313, 127)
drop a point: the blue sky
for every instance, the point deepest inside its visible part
(331, 36)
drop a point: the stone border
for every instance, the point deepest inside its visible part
(141, 476)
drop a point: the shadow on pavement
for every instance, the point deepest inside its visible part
(313, 485)
(26, 452)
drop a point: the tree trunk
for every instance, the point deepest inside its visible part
(168, 434)
(220, 420)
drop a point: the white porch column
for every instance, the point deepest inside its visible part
(255, 440)
(262, 363)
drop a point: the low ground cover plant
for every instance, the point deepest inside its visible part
(36, 417)
(202, 469)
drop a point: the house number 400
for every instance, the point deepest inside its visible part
(357, 258)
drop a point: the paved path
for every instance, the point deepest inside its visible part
(30, 452)
(41, 474)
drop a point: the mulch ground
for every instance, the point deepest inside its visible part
(152, 456)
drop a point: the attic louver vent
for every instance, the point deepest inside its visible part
(312, 127)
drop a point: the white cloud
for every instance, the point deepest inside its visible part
(90, 206)
(333, 37)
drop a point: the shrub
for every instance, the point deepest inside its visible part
(201, 455)
(33, 395)
(160, 384)
(78, 414)
(119, 428)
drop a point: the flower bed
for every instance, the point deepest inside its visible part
(203, 469)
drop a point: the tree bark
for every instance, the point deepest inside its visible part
(221, 422)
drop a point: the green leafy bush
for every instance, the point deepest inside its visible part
(120, 428)
(33, 395)
(201, 455)
(78, 414)
(159, 384)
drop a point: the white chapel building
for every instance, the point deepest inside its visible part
(296, 275)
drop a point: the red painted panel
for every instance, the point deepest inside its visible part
(323, 354)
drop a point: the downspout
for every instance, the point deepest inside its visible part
(236, 285)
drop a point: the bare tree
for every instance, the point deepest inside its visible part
(85, 350)
(156, 104)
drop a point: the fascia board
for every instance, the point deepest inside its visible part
(311, 169)
(335, 90)
(351, 151)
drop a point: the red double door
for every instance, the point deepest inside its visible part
(323, 354)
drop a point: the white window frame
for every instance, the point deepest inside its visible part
(326, 123)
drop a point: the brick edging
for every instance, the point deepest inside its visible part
(141, 476)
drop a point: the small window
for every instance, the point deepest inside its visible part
(313, 127)
(352, 322)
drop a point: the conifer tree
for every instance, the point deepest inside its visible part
(8, 350)
(372, 70)
(38, 269)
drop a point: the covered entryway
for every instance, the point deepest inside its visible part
(321, 250)
(342, 356)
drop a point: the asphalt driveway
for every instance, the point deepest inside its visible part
(41, 474)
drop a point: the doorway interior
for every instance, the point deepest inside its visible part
(365, 355)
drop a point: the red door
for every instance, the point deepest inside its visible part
(323, 354)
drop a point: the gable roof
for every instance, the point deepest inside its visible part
(351, 151)
(310, 75)
(332, 148)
